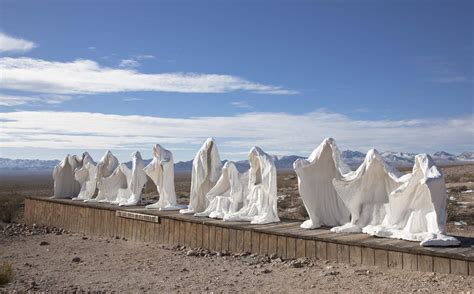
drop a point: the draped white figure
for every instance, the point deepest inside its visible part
(65, 184)
(417, 209)
(365, 192)
(228, 195)
(86, 176)
(315, 177)
(106, 167)
(207, 168)
(161, 171)
(260, 204)
(130, 185)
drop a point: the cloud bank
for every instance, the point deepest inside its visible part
(14, 100)
(88, 77)
(12, 44)
(286, 133)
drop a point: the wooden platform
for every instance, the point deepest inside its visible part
(286, 239)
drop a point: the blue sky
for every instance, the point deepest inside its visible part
(391, 75)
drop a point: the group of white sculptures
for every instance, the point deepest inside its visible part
(374, 199)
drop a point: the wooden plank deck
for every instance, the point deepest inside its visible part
(285, 239)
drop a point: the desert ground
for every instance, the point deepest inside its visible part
(52, 260)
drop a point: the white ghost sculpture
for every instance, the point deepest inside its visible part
(365, 192)
(260, 206)
(161, 171)
(86, 176)
(106, 167)
(228, 195)
(315, 176)
(135, 180)
(207, 168)
(65, 184)
(417, 209)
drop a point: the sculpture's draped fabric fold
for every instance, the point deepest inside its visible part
(417, 209)
(228, 195)
(161, 171)
(108, 178)
(207, 168)
(315, 177)
(135, 181)
(365, 192)
(65, 184)
(86, 176)
(260, 204)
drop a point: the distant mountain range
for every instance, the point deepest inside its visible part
(352, 158)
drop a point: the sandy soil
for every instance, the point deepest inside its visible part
(124, 266)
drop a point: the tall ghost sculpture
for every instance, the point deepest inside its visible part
(130, 183)
(106, 167)
(315, 177)
(207, 168)
(228, 195)
(161, 171)
(260, 206)
(65, 184)
(417, 209)
(86, 176)
(365, 192)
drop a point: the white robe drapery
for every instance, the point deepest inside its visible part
(365, 192)
(65, 184)
(86, 176)
(417, 209)
(228, 195)
(135, 180)
(161, 171)
(106, 181)
(315, 183)
(260, 206)
(207, 168)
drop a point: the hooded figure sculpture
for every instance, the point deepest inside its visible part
(105, 168)
(86, 176)
(65, 184)
(365, 192)
(417, 209)
(161, 171)
(260, 206)
(207, 168)
(315, 176)
(228, 195)
(135, 180)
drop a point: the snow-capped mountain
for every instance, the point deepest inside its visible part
(27, 164)
(465, 156)
(352, 158)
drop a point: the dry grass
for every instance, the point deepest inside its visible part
(11, 207)
(6, 273)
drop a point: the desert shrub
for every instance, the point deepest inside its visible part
(6, 273)
(452, 178)
(451, 211)
(10, 208)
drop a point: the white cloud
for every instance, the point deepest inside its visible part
(287, 133)
(241, 104)
(144, 56)
(12, 44)
(88, 77)
(14, 100)
(131, 99)
(129, 63)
